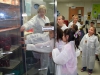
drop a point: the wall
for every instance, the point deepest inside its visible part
(63, 8)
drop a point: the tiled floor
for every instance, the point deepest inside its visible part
(96, 69)
(34, 71)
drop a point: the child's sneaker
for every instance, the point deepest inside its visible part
(83, 69)
(90, 71)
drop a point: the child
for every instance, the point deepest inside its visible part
(59, 42)
(89, 46)
(66, 59)
(92, 24)
(75, 27)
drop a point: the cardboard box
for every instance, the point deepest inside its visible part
(98, 25)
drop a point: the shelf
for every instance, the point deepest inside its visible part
(9, 19)
(13, 64)
(4, 5)
(13, 48)
(10, 28)
(32, 71)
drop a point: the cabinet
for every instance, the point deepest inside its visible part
(10, 48)
(37, 63)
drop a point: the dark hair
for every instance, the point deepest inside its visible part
(75, 27)
(92, 22)
(63, 18)
(49, 24)
(94, 30)
(72, 15)
(71, 34)
(59, 34)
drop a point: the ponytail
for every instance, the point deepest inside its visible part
(77, 38)
(73, 36)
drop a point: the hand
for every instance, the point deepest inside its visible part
(24, 48)
(22, 28)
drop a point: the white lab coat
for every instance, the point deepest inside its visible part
(77, 52)
(37, 38)
(36, 23)
(60, 44)
(64, 27)
(66, 60)
(78, 24)
(89, 46)
(43, 48)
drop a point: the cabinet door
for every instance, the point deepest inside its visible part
(38, 43)
(10, 48)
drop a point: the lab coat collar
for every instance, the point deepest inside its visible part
(51, 38)
(76, 22)
(42, 18)
(71, 42)
(89, 36)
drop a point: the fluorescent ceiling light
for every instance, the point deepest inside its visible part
(51, 3)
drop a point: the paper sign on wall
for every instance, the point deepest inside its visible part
(95, 10)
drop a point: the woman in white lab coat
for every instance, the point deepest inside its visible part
(37, 22)
(75, 21)
(90, 47)
(66, 59)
